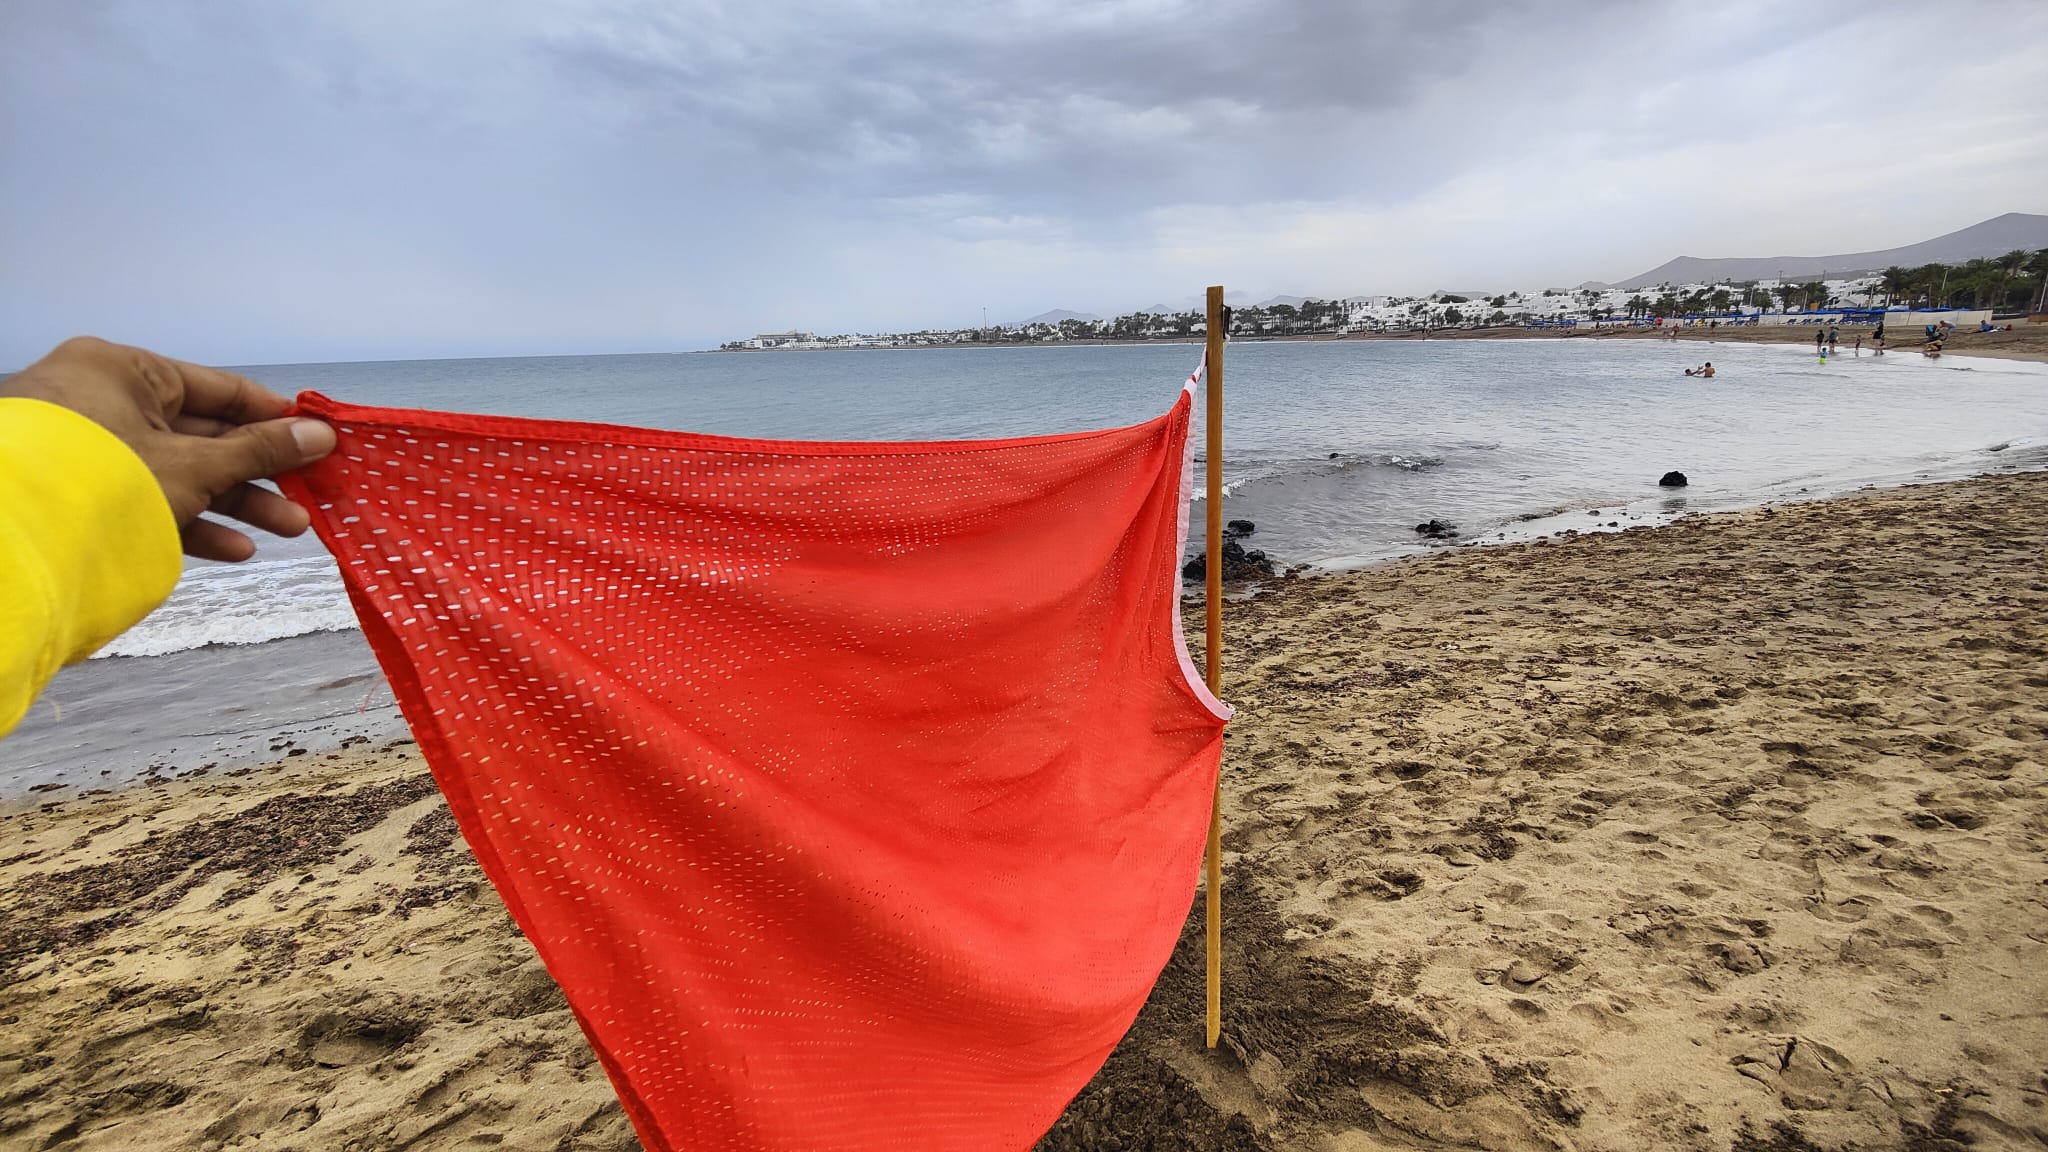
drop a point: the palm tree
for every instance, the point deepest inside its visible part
(1895, 281)
(1931, 283)
(2010, 265)
(1721, 300)
(1638, 305)
(1973, 280)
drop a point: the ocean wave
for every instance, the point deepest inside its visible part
(1230, 487)
(1340, 461)
(242, 604)
(1256, 471)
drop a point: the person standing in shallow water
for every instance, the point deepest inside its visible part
(1820, 341)
(1834, 338)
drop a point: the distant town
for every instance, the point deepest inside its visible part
(1980, 289)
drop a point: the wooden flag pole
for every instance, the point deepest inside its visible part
(1213, 467)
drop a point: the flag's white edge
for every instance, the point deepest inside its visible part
(1196, 682)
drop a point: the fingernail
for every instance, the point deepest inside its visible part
(314, 438)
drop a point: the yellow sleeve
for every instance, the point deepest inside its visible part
(87, 545)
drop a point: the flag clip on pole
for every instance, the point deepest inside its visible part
(1213, 467)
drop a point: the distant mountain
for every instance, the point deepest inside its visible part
(1232, 297)
(1057, 315)
(1994, 237)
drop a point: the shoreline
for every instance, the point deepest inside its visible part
(2025, 344)
(1644, 839)
(335, 695)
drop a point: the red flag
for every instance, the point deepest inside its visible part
(854, 793)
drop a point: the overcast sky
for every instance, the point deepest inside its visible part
(249, 181)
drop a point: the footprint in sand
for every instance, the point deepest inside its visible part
(1806, 1074)
(1603, 1017)
(1742, 957)
(361, 1035)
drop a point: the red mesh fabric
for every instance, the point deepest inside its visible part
(854, 793)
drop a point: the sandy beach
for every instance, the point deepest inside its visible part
(2025, 342)
(1731, 834)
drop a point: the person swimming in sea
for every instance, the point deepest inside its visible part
(1706, 370)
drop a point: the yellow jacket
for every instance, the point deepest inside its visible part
(87, 545)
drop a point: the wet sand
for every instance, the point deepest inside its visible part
(1731, 834)
(2024, 342)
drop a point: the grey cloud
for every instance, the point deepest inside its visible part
(1112, 106)
(247, 180)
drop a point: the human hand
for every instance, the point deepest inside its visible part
(203, 433)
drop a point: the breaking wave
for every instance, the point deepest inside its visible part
(246, 603)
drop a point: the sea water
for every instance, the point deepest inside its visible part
(1335, 450)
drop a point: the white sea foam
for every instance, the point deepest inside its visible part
(242, 604)
(1284, 468)
(1230, 487)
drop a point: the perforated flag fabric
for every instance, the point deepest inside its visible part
(854, 793)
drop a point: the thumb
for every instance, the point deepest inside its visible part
(265, 449)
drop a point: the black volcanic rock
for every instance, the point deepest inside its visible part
(1238, 564)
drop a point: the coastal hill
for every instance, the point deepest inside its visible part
(1966, 269)
(1993, 237)
(1055, 316)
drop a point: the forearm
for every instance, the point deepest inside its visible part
(88, 545)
